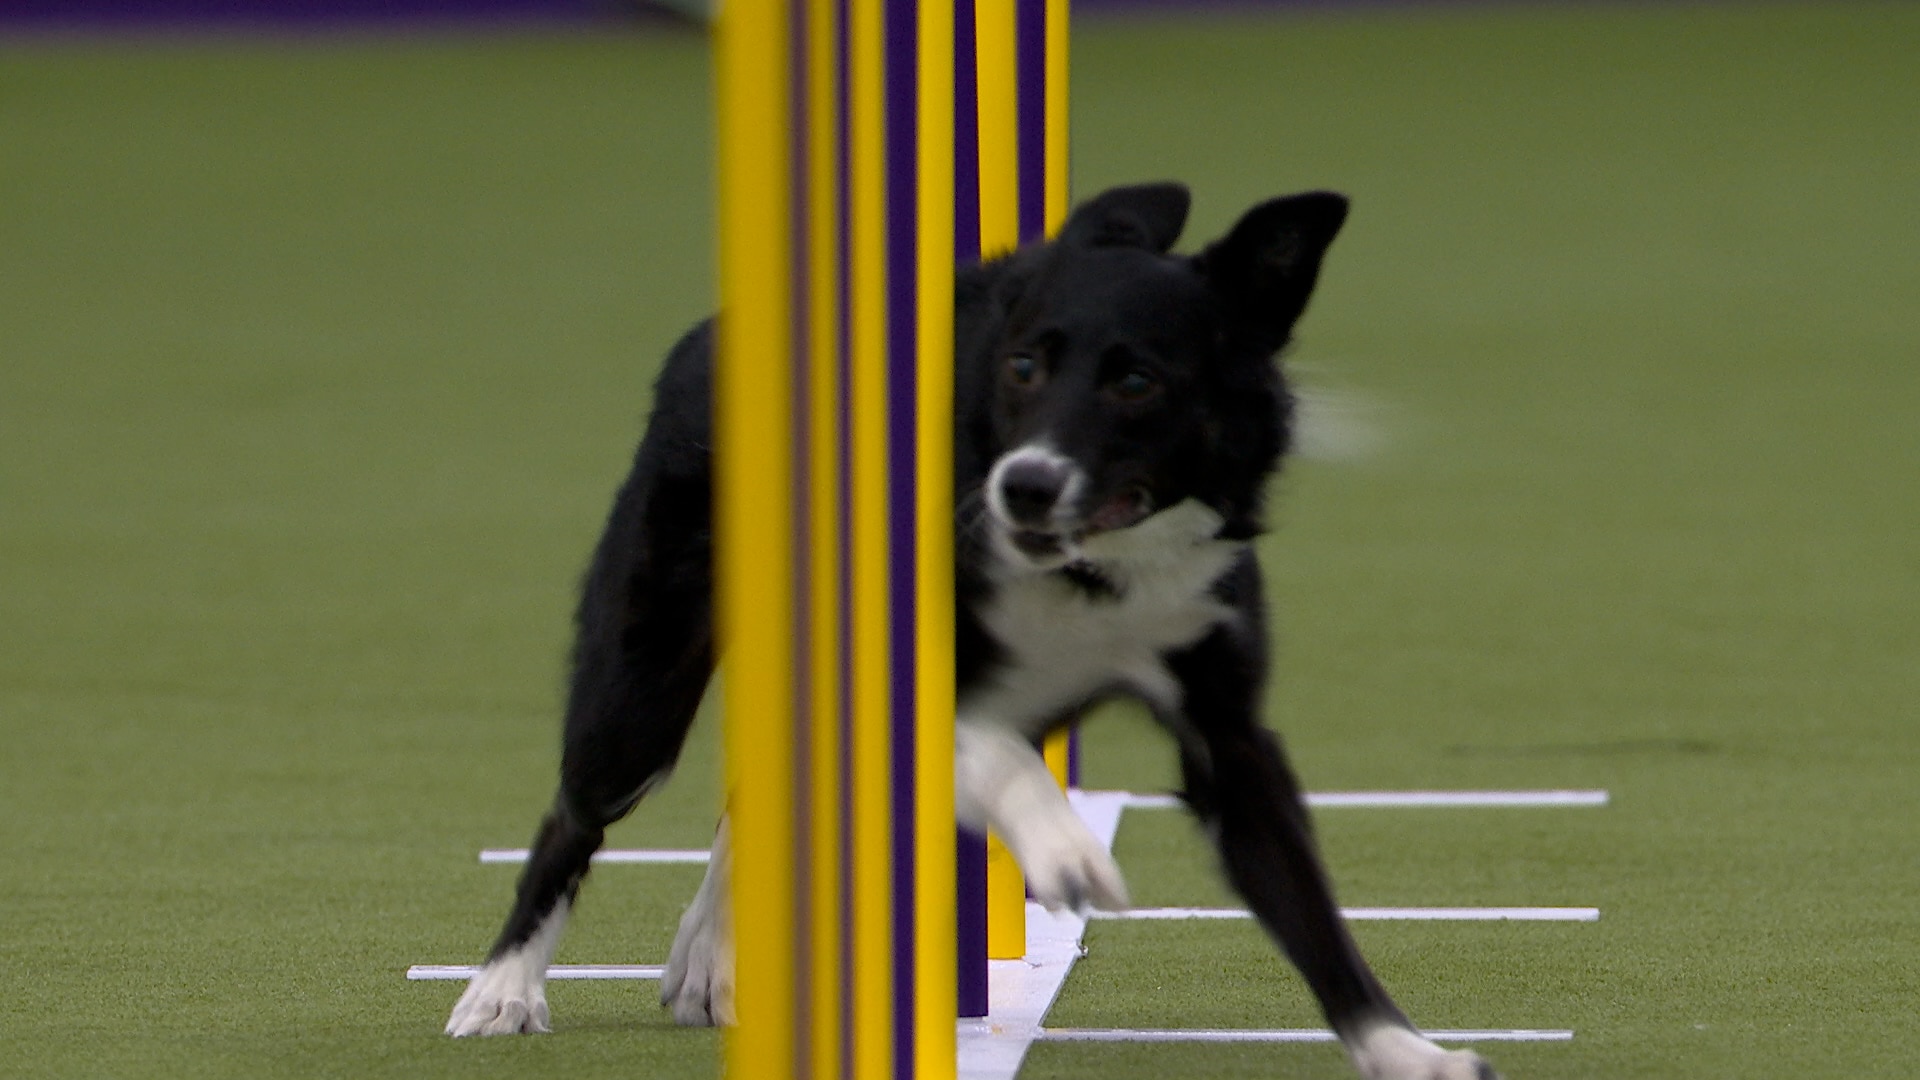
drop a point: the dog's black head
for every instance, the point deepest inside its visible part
(1103, 379)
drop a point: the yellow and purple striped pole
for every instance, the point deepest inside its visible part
(1018, 90)
(835, 533)
(839, 164)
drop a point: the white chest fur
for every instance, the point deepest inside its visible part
(1065, 643)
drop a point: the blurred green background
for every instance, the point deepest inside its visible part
(321, 355)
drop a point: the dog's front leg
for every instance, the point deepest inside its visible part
(698, 985)
(1001, 783)
(1239, 782)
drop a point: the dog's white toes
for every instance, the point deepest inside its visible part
(1068, 868)
(1462, 1065)
(720, 999)
(465, 1021)
(702, 994)
(513, 1018)
(690, 1004)
(698, 984)
(684, 986)
(500, 1001)
(671, 982)
(1396, 1053)
(509, 995)
(683, 989)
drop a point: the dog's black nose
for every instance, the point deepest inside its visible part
(1031, 488)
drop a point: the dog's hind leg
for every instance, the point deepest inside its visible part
(621, 741)
(642, 659)
(1240, 785)
(508, 996)
(628, 715)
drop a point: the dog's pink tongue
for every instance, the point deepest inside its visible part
(1124, 509)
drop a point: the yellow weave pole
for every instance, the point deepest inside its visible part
(1021, 61)
(1054, 214)
(996, 65)
(935, 960)
(834, 515)
(753, 464)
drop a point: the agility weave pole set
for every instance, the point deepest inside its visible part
(849, 132)
(836, 263)
(866, 148)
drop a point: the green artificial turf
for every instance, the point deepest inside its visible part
(319, 358)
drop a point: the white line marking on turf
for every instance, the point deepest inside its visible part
(1173, 913)
(555, 971)
(1457, 798)
(1404, 799)
(1133, 801)
(1021, 991)
(1518, 914)
(1380, 914)
(609, 855)
(1302, 1035)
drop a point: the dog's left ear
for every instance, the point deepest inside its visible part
(1146, 216)
(1264, 269)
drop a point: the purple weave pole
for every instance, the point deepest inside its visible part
(970, 849)
(903, 241)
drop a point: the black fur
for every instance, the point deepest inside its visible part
(1155, 374)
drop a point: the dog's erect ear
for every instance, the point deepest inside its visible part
(1146, 216)
(1265, 268)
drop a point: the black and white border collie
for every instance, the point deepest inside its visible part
(1118, 414)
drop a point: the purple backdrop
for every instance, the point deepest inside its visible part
(110, 14)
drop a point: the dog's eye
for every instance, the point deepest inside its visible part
(1023, 370)
(1136, 386)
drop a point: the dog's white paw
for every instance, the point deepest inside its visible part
(1002, 783)
(508, 997)
(698, 984)
(1389, 1052)
(1067, 867)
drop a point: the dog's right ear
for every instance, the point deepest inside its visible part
(1264, 269)
(1146, 216)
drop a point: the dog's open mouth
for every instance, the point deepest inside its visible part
(1129, 507)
